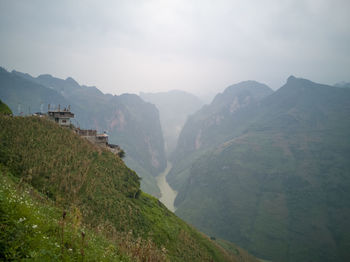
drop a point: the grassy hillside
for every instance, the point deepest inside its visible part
(76, 175)
(129, 121)
(279, 186)
(4, 109)
(33, 228)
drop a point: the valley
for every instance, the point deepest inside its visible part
(265, 169)
(168, 194)
(175, 131)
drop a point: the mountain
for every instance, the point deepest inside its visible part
(218, 117)
(63, 198)
(129, 121)
(174, 108)
(25, 97)
(342, 84)
(213, 124)
(278, 186)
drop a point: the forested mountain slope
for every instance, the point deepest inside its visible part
(214, 124)
(279, 186)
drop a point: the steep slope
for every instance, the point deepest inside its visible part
(4, 109)
(77, 175)
(130, 122)
(279, 187)
(30, 224)
(213, 124)
(174, 108)
(217, 118)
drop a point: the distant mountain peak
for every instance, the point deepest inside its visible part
(298, 83)
(246, 85)
(71, 81)
(247, 88)
(45, 76)
(291, 78)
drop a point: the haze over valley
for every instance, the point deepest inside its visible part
(184, 130)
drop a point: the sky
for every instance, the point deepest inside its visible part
(199, 46)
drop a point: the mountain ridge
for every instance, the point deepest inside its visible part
(213, 124)
(277, 185)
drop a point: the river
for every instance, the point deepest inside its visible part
(168, 194)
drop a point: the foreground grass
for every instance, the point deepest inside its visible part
(32, 228)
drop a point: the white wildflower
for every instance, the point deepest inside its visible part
(34, 226)
(21, 219)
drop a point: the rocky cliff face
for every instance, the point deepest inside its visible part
(214, 122)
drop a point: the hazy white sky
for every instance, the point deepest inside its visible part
(157, 45)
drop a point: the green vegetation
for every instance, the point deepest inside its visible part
(4, 109)
(240, 253)
(121, 153)
(148, 180)
(277, 185)
(92, 186)
(33, 228)
(129, 121)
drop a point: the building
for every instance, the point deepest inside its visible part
(98, 139)
(93, 137)
(60, 116)
(63, 116)
(101, 139)
(88, 134)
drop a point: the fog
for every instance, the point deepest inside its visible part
(196, 46)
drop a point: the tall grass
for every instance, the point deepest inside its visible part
(99, 193)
